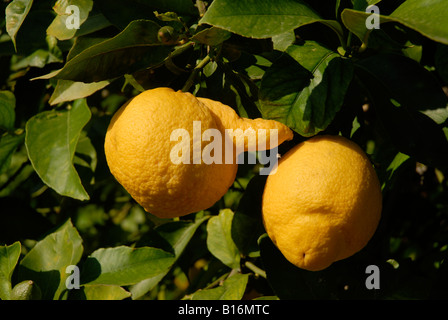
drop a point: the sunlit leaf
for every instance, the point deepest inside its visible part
(16, 13)
(60, 27)
(104, 292)
(262, 18)
(219, 239)
(125, 265)
(67, 90)
(46, 263)
(231, 289)
(411, 13)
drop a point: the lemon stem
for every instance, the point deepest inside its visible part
(255, 269)
(195, 71)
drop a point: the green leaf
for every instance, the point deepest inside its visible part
(85, 149)
(47, 261)
(8, 145)
(9, 256)
(412, 14)
(306, 88)
(7, 112)
(16, 13)
(231, 289)
(38, 59)
(125, 265)
(263, 18)
(104, 292)
(282, 41)
(219, 239)
(135, 48)
(177, 234)
(58, 27)
(51, 140)
(67, 90)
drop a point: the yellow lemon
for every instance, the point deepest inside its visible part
(324, 202)
(155, 144)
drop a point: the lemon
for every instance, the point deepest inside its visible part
(324, 202)
(139, 149)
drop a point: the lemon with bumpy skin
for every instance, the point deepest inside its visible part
(324, 202)
(139, 150)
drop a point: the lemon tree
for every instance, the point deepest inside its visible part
(103, 197)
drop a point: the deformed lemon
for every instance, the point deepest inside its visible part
(161, 169)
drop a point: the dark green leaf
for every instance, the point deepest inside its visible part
(121, 13)
(247, 225)
(177, 235)
(262, 18)
(411, 131)
(95, 22)
(47, 261)
(306, 88)
(7, 112)
(85, 149)
(211, 36)
(125, 265)
(16, 13)
(51, 139)
(9, 256)
(135, 48)
(406, 81)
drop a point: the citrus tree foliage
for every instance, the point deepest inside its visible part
(315, 66)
